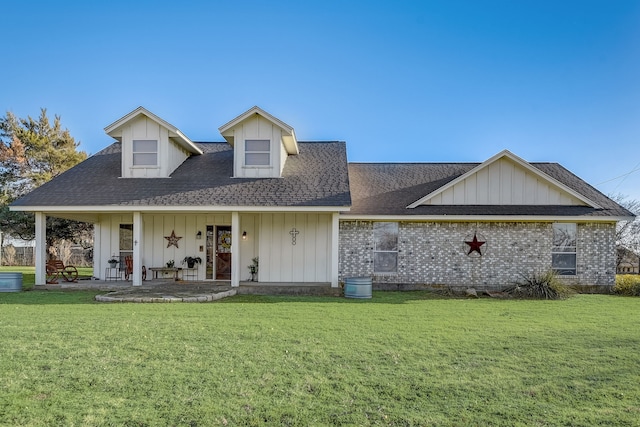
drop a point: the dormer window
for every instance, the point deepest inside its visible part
(145, 152)
(257, 152)
(261, 144)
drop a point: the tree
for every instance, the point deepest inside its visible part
(33, 152)
(627, 232)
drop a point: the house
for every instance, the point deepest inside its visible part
(628, 262)
(311, 217)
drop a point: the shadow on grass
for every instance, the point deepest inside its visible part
(30, 297)
(379, 297)
(34, 297)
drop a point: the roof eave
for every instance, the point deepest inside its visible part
(487, 218)
(92, 209)
(174, 132)
(290, 141)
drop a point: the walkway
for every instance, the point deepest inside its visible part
(169, 290)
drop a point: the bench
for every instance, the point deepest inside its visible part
(164, 270)
(56, 268)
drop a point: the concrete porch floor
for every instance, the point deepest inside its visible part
(170, 290)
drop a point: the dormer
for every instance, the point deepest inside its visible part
(151, 147)
(261, 144)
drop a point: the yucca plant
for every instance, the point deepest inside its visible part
(540, 285)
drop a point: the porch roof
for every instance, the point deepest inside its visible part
(317, 177)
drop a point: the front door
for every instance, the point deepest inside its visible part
(219, 252)
(223, 253)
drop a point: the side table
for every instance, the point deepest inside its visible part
(112, 273)
(189, 273)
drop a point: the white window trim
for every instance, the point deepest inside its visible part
(156, 152)
(250, 166)
(574, 252)
(397, 252)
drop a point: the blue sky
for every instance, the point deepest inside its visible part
(400, 81)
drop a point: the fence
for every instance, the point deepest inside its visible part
(69, 254)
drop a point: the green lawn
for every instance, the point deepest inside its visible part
(404, 359)
(29, 275)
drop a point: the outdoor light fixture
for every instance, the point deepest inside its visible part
(199, 235)
(244, 235)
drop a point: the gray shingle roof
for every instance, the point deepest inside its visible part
(387, 188)
(316, 177)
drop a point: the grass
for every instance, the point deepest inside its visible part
(29, 275)
(402, 359)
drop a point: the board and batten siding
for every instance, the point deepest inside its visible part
(107, 236)
(309, 260)
(258, 128)
(503, 183)
(170, 155)
(268, 237)
(249, 247)
(155, 252)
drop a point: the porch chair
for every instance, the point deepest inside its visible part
(56, 268)
(128, 269)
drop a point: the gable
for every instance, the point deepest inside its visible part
(117, 128)
(261, 143)
(151, 147)
(287, 134)
(505, 179)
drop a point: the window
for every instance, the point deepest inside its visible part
(145, 152)
(385, 247)
(257, 152)
(563, 253)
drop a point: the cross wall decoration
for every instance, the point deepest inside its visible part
(294, 233)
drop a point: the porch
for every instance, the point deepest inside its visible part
(299, 247)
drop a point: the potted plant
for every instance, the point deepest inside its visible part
(171, 263)
(113, 261)
(253, 269)
(192, 261)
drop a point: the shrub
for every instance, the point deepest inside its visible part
(627, 284)
(538, 285)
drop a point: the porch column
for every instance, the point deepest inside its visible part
(40, 250)
(335, 248)
(137, 249)
(235, 249)
(97, 253)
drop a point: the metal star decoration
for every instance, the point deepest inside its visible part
(474, 245)
(173, 239)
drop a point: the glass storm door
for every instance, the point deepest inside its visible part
(218, 252)
(125, 242)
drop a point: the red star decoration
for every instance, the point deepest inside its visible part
(173, 239)
(474, 245)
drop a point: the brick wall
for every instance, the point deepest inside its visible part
(434, 253)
